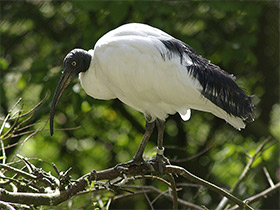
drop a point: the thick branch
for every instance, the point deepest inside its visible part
(58, 196)
(75, 187)
(108, 174)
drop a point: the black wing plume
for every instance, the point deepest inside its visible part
(217, 85)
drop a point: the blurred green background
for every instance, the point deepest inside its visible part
(241, 37)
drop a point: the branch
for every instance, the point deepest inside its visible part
(6, 206)
(15, 170)
(174, 191)
(154, 189)
(245, 171)
(73, 188)
(37, 187)
(260, 195)
(183, 172)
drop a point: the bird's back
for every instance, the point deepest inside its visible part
(158, 75)
(134, 29)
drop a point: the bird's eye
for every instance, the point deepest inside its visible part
(74, 63)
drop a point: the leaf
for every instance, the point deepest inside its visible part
(3, 64)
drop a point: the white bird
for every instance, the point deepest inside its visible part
(156, 74)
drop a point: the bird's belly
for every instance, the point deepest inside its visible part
(158, 102)
(158, 110)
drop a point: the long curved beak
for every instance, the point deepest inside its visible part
(65, 79)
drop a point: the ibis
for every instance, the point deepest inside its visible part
(156, 74)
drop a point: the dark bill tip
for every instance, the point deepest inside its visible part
(65, 79)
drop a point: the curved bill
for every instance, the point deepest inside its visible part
(65, 79)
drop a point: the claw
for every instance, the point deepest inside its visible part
(161, 160)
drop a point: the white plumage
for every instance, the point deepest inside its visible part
(127, 64)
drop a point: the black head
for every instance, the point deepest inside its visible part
(76, 61)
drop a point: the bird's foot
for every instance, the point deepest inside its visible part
(160, 160)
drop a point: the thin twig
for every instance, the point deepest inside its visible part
(244, 172)
(194, 156)
(9, 180)
(2, 128)
(31, 110)
(249, 164)
(6, 206)
(162, 193)
(188, 185)
(1, 140)
(14, 106)
(24, 121)
(30, 131)
(22, 173)
(154, 177)
(100, 202)
(14, 124)
(16, 135)
(183, 172)
(32, 124)
(25, 140)
(260, 195)
(147, 176)
(268, 177)
(174, 191)
(148, 199)
(108, 204)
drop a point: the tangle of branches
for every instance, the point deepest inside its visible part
(25, 186)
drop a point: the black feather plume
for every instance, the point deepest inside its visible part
(217, 85)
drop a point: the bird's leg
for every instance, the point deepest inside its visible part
(138, 157)
(160, 158)
(160, 127)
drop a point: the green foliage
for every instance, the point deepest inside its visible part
(35, 37)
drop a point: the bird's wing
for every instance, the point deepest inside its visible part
(146, 67)
(217, 85)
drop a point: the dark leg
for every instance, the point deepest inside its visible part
(138, 157)
(160, 126)
(160, 158)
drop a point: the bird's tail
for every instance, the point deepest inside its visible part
(238, 122)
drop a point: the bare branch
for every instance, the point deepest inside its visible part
(194, 156)
(244, 172)
(45, 189)
(174, 191)
(268, 177)
(148, 199)
(59, 194)
(155, 190)
(22, 173)
(183, 172)
(1, 140)
(6, 206)
(260, 195)
(25, 140)
(108, 174)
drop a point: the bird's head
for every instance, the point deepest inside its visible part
(76, 61)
